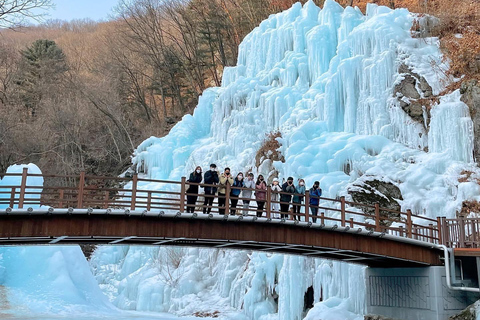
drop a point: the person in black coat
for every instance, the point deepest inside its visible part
(287, 187)
(210, 177)
(195, 177)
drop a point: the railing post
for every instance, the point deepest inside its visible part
(342, 210)
(307, 206)
(105, 200)
(22, 188)
(409, 223)
(134, 191)
(228, 189)
(149, 201)
(81, 186)
(377, 217)
(439, 231)
(322, 218)
(461, 231)
(182, 195)
(430, 233)
(351, 222)
(269, 202)
(12, 197)
(60, 198)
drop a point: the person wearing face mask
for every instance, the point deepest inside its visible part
(211, 177)
(288, 189)
(315, 194)
(248, 183)
(235, 192)
(260, 194)
(225, 178)
(275, 197)
(195, 177)
(298, 198)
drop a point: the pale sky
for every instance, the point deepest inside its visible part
(80, 9)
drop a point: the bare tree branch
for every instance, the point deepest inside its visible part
(16, 13)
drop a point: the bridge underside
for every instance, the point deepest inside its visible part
(234, 232)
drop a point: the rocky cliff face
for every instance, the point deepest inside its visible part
(470, 92)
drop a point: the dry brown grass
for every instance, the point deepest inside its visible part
(469, 207)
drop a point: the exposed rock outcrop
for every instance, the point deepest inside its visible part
(470, 91)
(413, 93)
(371, 191)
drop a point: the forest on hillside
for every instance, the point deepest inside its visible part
(81, 95)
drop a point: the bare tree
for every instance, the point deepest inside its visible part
(15, 13)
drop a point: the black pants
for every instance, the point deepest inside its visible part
(284, 210)
(314, 213)
(260, 205)
(296, 209)
(221, 203)
(233, 205)
(209, 196)
(191, 200)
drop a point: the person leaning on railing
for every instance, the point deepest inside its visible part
(315, 194)
(298, 198)
(235, 192)
(275, 186)
(222, 189)
(249, 183)
(195, 177)
(288, 190)
(260, 194)
(210, 177)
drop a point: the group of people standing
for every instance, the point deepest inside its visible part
(281, 197)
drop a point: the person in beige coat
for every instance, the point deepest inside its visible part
(225, 178)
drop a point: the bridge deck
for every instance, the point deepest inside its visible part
(234, 232)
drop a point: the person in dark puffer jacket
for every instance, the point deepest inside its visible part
(195, 177)
(235, 192)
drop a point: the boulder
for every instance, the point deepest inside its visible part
(470, 91)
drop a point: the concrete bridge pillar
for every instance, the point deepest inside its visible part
(414, 294)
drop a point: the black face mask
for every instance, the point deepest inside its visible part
(315, 187)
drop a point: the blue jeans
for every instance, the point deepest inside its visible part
(314, 211)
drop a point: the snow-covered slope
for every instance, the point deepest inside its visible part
(325, 78)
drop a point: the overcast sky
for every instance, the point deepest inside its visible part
(80, 9)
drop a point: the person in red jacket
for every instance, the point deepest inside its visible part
(260, 194)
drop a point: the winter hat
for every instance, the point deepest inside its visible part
(275, 179)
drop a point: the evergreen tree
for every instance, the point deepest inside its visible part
(42, 65)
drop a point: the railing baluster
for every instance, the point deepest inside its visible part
(12, 197)
(342, 210)
(351, 222)
(60, 198)
(377, 217)
(269, 202)
(182, 195)
(228, 189)
(409, 223)
(134, 191)
(431, 233)
(307, 206)
(22, 188)
(105, 199)
(439, 230)
(149, 201)
(461, 231)
(322, 218)
(81, 186)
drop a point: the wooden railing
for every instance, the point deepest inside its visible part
(134, 193)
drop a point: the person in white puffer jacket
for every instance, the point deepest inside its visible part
(247, 193)
(276, 197)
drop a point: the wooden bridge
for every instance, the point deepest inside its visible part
(110, 210)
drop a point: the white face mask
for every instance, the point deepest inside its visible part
(240, 177)
(212, 169)
(198, 170)
(301, 183)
